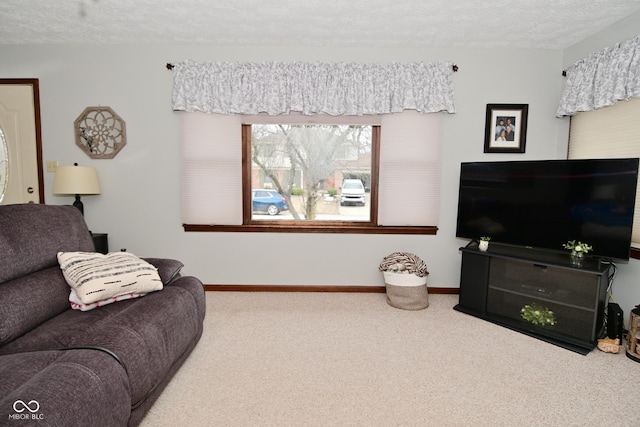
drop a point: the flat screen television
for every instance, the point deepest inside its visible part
(543, 204)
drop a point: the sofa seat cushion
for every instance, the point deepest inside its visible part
(97, 277)
(148, 334)
(27, 301)
(48, 383)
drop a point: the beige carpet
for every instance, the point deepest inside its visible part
(331, 359)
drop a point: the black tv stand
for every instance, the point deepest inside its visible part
(495, 286)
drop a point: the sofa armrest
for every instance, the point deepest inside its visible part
(194, 286)
(70, 387)
(168, 269)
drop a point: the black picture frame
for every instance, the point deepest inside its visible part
(501, 116)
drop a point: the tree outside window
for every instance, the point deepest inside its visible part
(307, 165)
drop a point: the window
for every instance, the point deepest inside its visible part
(236, 171)
(309, 172)
(610, 132)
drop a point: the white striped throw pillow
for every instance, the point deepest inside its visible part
(96, 277)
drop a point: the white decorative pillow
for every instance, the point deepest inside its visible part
(97, 277)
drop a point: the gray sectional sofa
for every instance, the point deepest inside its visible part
(65, 367)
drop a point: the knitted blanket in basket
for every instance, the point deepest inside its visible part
(400, 262)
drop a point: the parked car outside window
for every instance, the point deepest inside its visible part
(269, 201)
(352, 192)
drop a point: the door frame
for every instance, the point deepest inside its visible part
(34, 83)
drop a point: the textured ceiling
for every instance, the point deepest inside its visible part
(548, 24)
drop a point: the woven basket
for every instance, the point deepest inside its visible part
(406, 291)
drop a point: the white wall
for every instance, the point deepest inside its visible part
(139, 207)
(626, 286)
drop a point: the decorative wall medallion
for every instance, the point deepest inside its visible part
(100, 132)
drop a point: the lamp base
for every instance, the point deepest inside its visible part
(78, 204)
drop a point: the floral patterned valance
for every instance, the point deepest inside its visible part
(312, 88)
(602, 79)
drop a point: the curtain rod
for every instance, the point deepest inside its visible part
(454, 67)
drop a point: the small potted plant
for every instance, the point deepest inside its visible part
(483, 245)
(538, 315)
(578, 250)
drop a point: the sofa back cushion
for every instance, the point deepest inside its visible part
(32, 288)
(31, 236)
(28, 301)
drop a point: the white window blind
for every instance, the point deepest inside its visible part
(409, 173)
(409, 180)
(611, 132)
(211, 169)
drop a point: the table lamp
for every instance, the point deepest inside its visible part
(76, 180)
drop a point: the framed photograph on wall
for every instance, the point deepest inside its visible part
(506, 128)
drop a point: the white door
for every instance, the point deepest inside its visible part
(20, 147)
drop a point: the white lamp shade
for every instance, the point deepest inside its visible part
(76, 180)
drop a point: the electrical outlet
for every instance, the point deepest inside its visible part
(52, 165)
